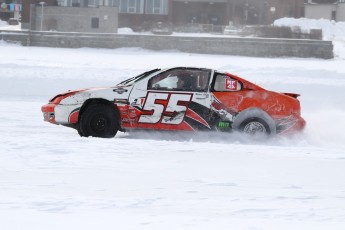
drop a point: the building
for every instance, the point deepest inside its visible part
(135, 13)
(74, 19)
(142, 14)
(331, 9)
(26, 5)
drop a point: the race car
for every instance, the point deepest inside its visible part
(177, 99)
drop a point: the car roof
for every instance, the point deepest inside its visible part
(186, 67)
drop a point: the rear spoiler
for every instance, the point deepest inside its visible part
(294, 95)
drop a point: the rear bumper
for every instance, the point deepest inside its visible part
(291, 124)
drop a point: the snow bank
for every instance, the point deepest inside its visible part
(125, 30)
(330, 29)
(5, 26)
(3, 23)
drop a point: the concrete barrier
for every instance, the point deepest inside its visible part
(255, 47)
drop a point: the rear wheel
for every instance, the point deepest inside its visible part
(99, 121)
(255, 127)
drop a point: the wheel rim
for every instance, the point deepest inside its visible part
(254, 127)
(99, 123)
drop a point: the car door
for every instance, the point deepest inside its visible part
(163, 102)
(226, 96)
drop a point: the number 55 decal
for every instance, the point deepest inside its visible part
(169, 108)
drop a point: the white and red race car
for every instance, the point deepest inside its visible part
(178, 99)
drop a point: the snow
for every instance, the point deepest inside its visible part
(125, 30)
(330, 29)
(129, 31)
(3, 23)
(50, 178)
(5, 26)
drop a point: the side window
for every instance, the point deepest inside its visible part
(164, 81)
(225, 83)
(190, 80)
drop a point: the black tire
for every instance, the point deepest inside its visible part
(99, 121)
(255, 127)
(79, 131)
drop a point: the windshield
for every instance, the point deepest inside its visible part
(130, 81)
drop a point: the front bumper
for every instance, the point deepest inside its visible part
(61, 114)
(48, 111)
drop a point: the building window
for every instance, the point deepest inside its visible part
(94, 23)
(131, 6)
(334, 15)
(157, 6)
(114, 3)
(62, 3)
(93, 3)
(76, 3)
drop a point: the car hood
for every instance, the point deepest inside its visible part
(70, 93)
(80, 95)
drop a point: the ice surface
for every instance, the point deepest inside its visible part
(50, 178)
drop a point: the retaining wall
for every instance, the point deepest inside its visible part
(255, 47)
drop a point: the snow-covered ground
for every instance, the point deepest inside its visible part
(50, 178)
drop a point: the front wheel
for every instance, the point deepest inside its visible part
(99, 121)
(255, 127)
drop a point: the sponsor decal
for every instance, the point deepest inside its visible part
(120, 90)
(139, 102)
(224, 124)
(230, 84)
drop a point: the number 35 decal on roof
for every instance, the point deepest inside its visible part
(167, 108)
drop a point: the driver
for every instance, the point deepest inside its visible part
(185, 83)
